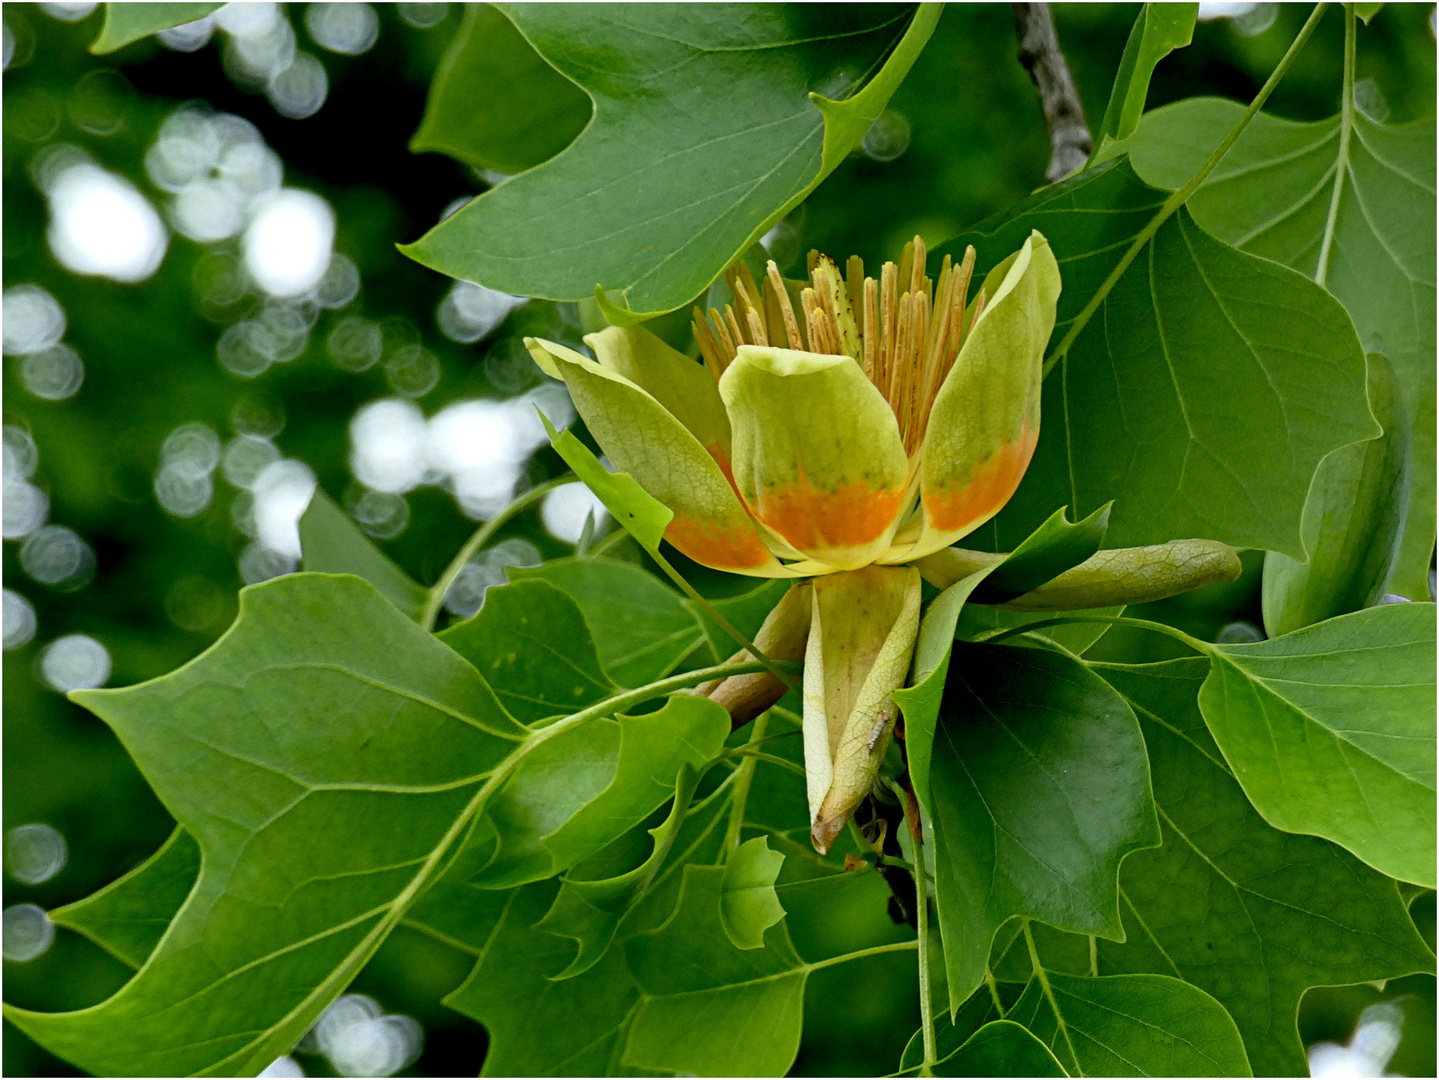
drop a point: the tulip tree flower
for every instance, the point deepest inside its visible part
(838, 431)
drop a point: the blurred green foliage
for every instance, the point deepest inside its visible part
(963, 138)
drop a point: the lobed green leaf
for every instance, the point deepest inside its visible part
(1331, 732)
(1039, 786)
(497, 104)
(1348, 202)
(1251, 915)
(1131, 1025)
(1202, 393)
(733, 113)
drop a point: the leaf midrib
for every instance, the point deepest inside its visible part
(1340, 737)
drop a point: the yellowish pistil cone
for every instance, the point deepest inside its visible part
(862, 633)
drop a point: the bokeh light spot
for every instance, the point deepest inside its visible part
(75, 662)
(26, 932)
(101, 226)
(54, 375)
(349, 29)
(33, 320)
(19, 620)
(35, 853)
(287, 245)
(58, 557)
(566, 509)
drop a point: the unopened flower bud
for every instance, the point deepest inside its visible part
(861, 638)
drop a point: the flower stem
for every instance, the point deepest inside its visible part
(1180, 197)
(481, 537)
(921, 902)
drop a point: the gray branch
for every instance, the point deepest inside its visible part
(1039, 52)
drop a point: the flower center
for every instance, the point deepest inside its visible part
(906, 342)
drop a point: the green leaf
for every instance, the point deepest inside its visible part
(728, 109)
(643, 516)
(495, 103)
(1089, 219)
(1249, 914)
(593, 783)
(542, 1024)
(1159, 30)
(539, 1026)
(1054, 546)
(643, 629)
(707, 1007)
(332, 543)
(1049, 551)
(920, 701)
(1132, 1025)
(950, 1033)
(1039, 787)
(1330, 731)
(1371, 242)
(326, 754)
(1353, 522)
(126, 23)
(688, 731)
(1001, 1048)
(748, 903)
(1367, 11)
(590, 910)
(997, 1048)
(531, 644)
(1202, 393)
(128, 917)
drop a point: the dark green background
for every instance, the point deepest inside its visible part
(978, 143)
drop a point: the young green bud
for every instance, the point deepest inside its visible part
(1107, 578)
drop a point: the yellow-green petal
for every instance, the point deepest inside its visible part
(985, 421)
(817, 453)
(685, 388)
(642, 438)
(862, 634)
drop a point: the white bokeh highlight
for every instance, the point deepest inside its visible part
(360, 1039)
(35, 853)
(26, 932)
(101, 226)
(75, 662)
(288, 242)
(33, 320)
(566, 509)
(20, 621)
(1368, 1053)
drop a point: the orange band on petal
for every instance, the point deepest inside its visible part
(992, 485)
(716, 547)
(812, 520)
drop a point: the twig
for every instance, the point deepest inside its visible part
(1039, 52)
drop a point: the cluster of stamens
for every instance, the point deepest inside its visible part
(906, 342)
